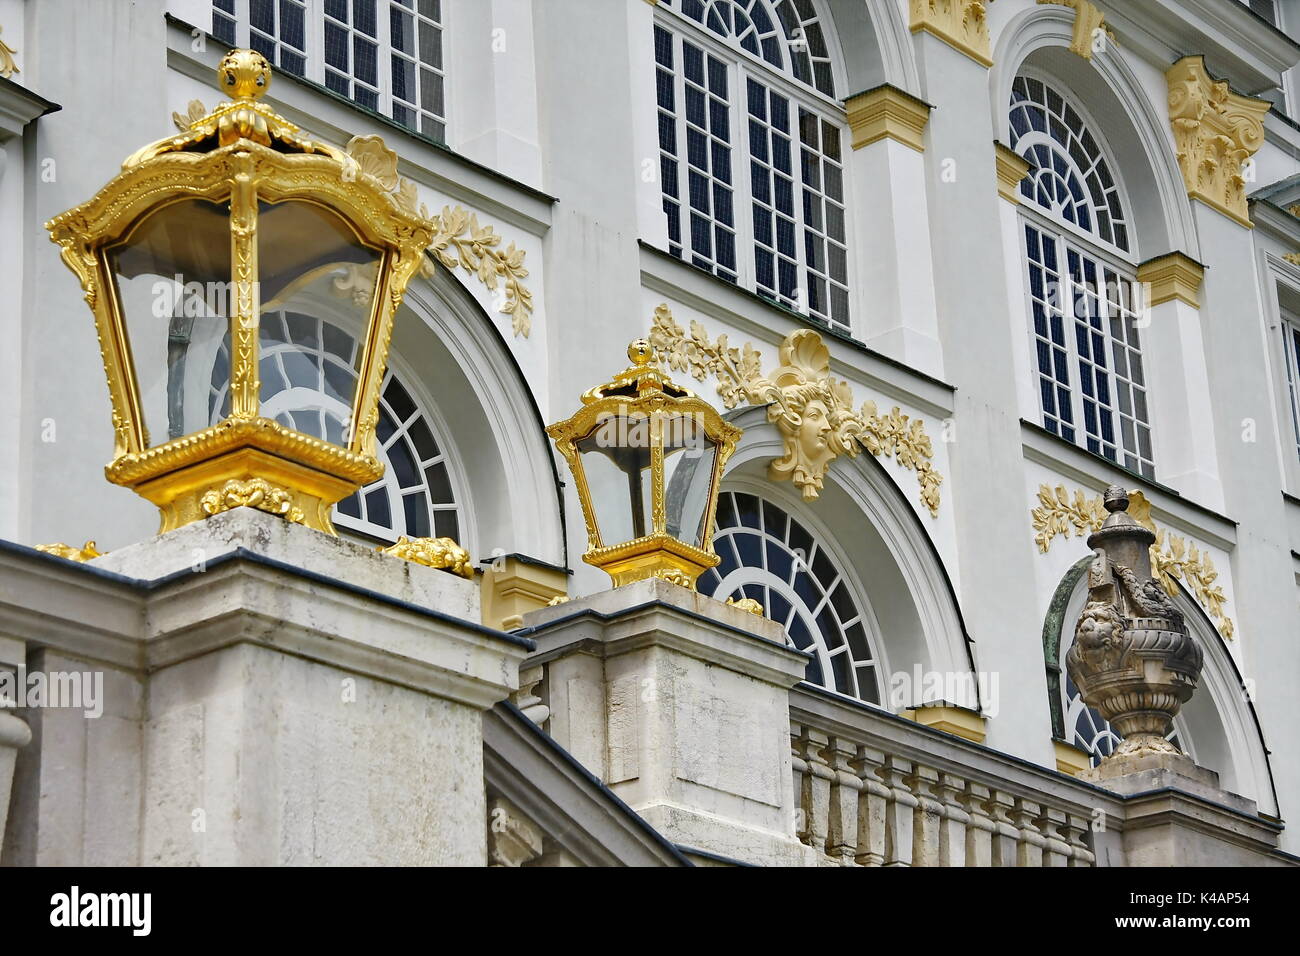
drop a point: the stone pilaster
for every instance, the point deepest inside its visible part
(680, 704)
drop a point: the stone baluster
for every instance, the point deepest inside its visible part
(1057, 851)
(816, 798)
(845, 794)
(1029, 846)
(899, 812)
(926, 818)
(981, 828)
(952, 828)
(1080, 854)
(1005, 834)
(799, 769)
(872, 811)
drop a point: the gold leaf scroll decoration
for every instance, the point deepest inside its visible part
(812, 409)
(459, 240)
(1173, 557)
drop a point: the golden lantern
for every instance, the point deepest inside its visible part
(647, 457)
(182, 254)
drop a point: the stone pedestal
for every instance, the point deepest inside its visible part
(280, 697)
(680, 703)
(1176, 814)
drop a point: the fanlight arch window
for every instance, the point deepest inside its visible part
(770, 556)
(385, 55)
(1083, 301)
(750, 151)
(308, 370)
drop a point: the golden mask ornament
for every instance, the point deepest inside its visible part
(191, 257)
(647, 457)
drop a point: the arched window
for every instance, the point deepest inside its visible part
(751, 166)
(308, 370)
(1083, 300)
(769, 556)
(385, 55)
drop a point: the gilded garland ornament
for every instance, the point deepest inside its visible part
(441, 553)
(812, 409)
(1173, 558)
(1089, 27)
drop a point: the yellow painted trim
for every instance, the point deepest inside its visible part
(953, 720)
(959, 23)
(1012, 168)
(510, 588)
(1070, 759)
(886, 112)
(1172, 276)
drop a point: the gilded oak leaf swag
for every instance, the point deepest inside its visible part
(458, 238)
(1173, 558)
(812, 409)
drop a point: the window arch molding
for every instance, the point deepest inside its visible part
(1133, 127)
(1220, 718)
(491, 417)
(901, 573)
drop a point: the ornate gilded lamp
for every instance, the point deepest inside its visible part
(184, 252)
(647, 457)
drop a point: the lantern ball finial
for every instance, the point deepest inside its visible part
(640, 352)
(244, 74)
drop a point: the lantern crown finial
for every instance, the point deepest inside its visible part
(244, 74)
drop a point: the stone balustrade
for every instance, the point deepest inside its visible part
(875, 789)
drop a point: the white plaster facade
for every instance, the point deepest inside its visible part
(551, 137)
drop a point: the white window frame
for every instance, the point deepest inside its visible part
(315, 66)
(1106, 255)
(1290, 329)
(742, 65)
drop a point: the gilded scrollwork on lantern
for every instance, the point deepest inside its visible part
(1216, 132)
(1173, 558)
(443, 554)
(812, 409)
(195, 111)
(242, 206)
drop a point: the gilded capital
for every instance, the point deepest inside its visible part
(1216, 133)
(962, 24)
(886, 112)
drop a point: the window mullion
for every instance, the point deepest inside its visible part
(743, 205)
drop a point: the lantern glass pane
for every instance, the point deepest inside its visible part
(172, 274)
(310, 263)
(616, 462)
(689, 458)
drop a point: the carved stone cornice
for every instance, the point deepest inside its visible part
(1173, 558)
(1088, 20)
(886, 112)
(1216, 131)
(811, 409)
(962, 24)
(1012, 168)
(1172, 276)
